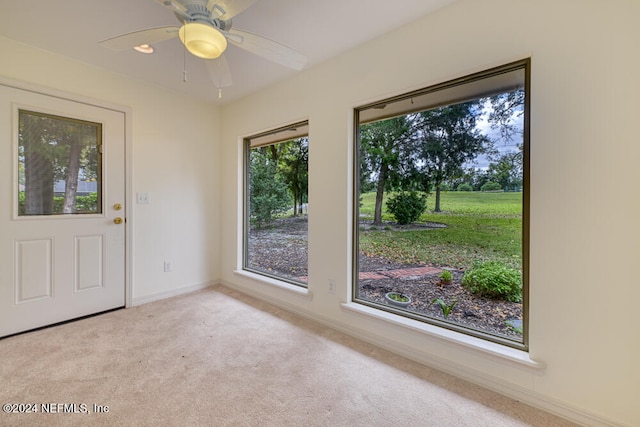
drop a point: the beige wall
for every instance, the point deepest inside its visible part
(584, 230)
(173, 156)
(584, 151)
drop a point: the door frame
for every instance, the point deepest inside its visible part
(128, 167)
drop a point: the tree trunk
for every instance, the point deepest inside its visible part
(296, 203)
(274, 153)
(71, 180)
(382, 176)
(301, 204)
(438, 181)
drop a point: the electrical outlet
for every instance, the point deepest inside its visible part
(332, 286)
(168, 266)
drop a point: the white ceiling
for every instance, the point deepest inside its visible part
(319, 29)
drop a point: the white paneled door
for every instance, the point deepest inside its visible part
(62, 209)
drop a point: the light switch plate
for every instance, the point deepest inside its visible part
(143, 198)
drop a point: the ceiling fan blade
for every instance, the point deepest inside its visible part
(136, 38)
(227, 9)
(219, 71)
(268, 49)
(174, 6)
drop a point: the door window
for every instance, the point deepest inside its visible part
(59, 165)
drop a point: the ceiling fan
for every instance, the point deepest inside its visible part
(205, 32)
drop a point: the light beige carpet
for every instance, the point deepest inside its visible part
(219, 358)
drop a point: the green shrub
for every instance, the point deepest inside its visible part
(465, 187)
(446, 276)
(84, 204)
(490, 186)
(406, 207)
(494, 279)
(88, 203)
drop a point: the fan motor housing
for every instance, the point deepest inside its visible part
(197, 11)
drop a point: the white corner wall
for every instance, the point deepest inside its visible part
(172, 154)
(584, 151)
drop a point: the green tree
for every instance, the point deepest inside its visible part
(448, 138)
(506, 109)
(507, 170)
(506, 113)
(294, 166)
(37, 167)
(267, 188)
(381, 156)
(81, 143)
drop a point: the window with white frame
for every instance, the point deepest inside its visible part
(441, 204)
(276, 203)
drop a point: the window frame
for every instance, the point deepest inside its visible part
(525, 65)
(274, 136)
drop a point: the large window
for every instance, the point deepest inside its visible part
(276, 203)
(442, 202)
(59, 165)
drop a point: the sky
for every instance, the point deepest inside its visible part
(501, 145)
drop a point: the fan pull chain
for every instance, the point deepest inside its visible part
(184, 61)
(219, 64)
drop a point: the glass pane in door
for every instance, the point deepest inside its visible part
(59, 165)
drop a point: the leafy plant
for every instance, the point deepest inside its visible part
(398, 297)
(406, 207)
(494, 279)
(446, 276)
(446, 308)
(465, 187)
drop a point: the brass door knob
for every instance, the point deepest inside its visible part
(117, 220)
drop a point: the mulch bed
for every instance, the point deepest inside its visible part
(281, 249)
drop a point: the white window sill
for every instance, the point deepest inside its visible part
(491, 349)
(298, 290)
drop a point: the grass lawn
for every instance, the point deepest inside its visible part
(480, 226)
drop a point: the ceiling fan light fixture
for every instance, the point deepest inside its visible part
(144, 48)
(204, 41)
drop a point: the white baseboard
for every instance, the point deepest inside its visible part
(171, 293)
(527, 396)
